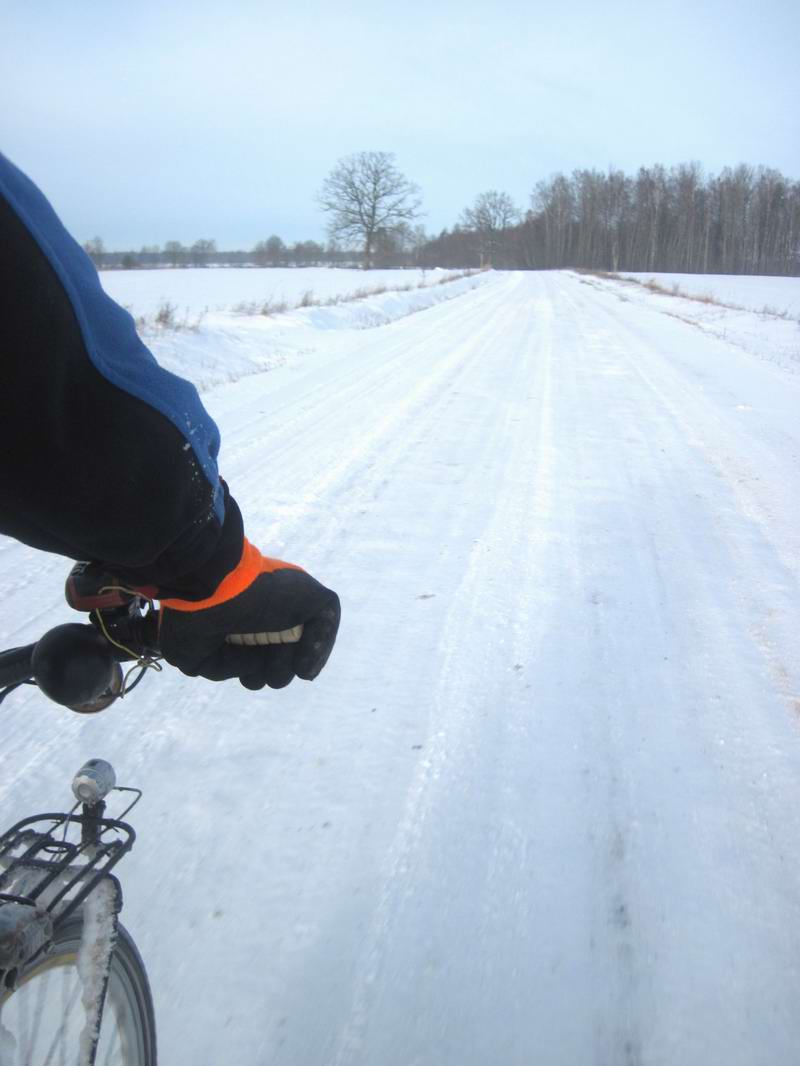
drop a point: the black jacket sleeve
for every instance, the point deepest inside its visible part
(106, 456)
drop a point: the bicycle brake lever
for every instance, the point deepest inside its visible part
(90, 588)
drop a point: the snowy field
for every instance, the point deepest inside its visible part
(194, 291)
(752, 293)
(770, 331)
(541, 806)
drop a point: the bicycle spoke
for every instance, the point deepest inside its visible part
(41, 993)
(68, 1003)
(113, 1048)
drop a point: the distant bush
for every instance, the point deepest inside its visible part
(260, 307)
(166, 315)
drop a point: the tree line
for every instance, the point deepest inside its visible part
(272, 252)
(746, 220)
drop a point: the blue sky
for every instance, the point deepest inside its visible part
(145, 122)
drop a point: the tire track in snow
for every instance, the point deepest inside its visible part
(389, 414)
(472, 627)
(701, 567)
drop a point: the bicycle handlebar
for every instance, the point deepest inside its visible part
(78, 665)
(15, 665)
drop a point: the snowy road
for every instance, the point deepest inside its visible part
(542, 807)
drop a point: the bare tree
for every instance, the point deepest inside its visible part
(96, 251)
(175, 253)
(276, 250)
(554, 201)
(492, 214)
(306, 253)
(271, 252)
(201, 251)
(365, 194)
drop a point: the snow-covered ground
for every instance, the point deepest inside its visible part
(228, 346)
(753, 293)
(770, 331)
(194, 291)
(541, 806)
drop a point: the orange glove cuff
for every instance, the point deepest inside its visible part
(249, 567)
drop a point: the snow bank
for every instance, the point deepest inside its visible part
(762, 324)
(227, 346)
(194, 292)
(752, 293)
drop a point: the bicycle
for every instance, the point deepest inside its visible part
(61, 941)
(73, 987)
(66, 962)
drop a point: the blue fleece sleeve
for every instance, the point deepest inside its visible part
(108, 331)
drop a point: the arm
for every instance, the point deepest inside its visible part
(114, 458)
(108, 456)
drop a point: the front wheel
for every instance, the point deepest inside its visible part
(42, 1020)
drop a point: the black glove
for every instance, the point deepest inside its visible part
(267, 622)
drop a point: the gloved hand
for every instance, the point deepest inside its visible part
(260, 596)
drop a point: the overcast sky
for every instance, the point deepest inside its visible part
(145, 122)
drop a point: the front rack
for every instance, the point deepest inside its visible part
(49, 864)
(40, 863)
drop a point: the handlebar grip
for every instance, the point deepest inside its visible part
(285, 636)
(16, 665)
